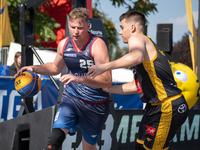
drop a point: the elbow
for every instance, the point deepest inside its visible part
(134, 60)
(139, 60)
(56, 71)
(108, 83)
(107, 80)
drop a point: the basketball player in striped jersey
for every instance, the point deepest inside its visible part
(84, 104)
(166, 109)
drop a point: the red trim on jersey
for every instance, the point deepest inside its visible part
(90, 35)
(64, 45)
(94, 102)
(92, 45)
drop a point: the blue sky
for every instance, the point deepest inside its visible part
(169, 11)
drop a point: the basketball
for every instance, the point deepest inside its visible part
(28, 84)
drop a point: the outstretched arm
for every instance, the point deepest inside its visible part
(135, 57)
(127, 88)
(52, 68)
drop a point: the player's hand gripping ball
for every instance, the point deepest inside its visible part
(187, 81)
(28, 84)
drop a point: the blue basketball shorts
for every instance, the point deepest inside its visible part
(90, 118)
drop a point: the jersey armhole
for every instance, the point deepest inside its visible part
(149, 38)
(92, 46)
(64, 45)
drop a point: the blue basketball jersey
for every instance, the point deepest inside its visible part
(77, 64)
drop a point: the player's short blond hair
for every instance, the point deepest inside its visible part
(79, 13)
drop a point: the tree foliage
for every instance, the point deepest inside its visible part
(44, 25)
(109, 27)
(121, 52)
(144, 6)
(183, 48)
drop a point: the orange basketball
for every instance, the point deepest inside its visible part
(28, 84)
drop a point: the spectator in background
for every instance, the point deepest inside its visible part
(14, 68)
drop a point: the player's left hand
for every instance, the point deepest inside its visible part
(70, 78)
(95, 70)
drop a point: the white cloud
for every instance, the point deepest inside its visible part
(183, 20)
(195, 16)
(179, 20)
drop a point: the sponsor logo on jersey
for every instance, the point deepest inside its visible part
(173, 84)
(69, 49)
(150, 130)
(182, 108)
(138, 86)
(134, 71)
(49, 147)
(80, 74)
(70, 55)
(86, 52)
(93, 136)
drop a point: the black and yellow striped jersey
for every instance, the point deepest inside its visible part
(154, 78)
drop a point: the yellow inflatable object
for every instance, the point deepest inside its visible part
(187, 81)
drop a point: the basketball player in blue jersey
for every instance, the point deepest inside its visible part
(166, 109)
(84, 104)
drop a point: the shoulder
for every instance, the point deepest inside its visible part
(98, 42)
(138, 37)
(136, 40)
(98, 45)
(61, 44)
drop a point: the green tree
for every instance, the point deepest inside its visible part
(140, 5)
(144, 6)
(120, 52)
(44, 25)
(183, 49)
(109, 27)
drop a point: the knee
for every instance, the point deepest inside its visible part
(139, 147)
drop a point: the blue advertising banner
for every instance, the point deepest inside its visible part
(10, 100)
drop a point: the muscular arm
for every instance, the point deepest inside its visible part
(101, 56)
(127, 88)
(136, 56)
(52, 68)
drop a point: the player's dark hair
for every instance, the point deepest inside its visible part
(134, 15)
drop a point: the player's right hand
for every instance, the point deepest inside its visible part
(95, 70)
(22, 70)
